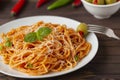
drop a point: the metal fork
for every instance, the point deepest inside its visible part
(102, 30)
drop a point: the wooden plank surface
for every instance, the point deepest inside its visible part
(105, 65)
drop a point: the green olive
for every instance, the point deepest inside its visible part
(90, 1)
(82, 27)
(99, 2)
(110, 1)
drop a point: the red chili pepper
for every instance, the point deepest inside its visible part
(81, 33)
(17, 7)
(76, 3)
(95, 2)
(40, 2)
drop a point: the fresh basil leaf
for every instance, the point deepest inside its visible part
(40, 37)
(43, 32)
(30, 37)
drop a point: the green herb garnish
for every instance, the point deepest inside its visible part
(39, 35)
(30, 37)
(1, 47)
(8, 43)
(43, 32)
(76, 57)
(30, 65)
(7, 39)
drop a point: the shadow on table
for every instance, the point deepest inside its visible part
(4, 4)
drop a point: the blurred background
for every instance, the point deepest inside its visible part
(106, 64)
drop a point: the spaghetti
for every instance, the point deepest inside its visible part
(61, 50)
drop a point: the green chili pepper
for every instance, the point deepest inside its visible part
(59, 3)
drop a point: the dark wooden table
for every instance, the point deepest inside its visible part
(105, 65)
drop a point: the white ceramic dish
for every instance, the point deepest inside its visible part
(101, 11)
(5, 69)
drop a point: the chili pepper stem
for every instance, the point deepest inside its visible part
(13, 13)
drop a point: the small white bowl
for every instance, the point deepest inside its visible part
(101, 11)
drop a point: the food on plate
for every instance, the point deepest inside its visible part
(42, 48)
(102, 2)
(82, 29)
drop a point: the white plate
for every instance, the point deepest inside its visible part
(5, 69)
